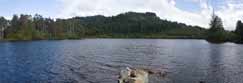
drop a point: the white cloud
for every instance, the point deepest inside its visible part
(231, 13)
(165, 9)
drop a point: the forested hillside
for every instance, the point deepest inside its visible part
(126, 25)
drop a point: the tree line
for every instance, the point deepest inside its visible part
(217, 34)
(125, 25)
(26, 27)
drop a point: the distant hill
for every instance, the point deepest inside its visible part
(125, 25)
(132, 24)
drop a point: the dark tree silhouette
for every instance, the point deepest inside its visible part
(239, 28)
(216, 32)
(239, 32)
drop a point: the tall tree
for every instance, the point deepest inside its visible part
(10, 32)
(216, 32)
(216, 23)
(39, 22)
(239, 28)
(3, 22)
(3, 26)
(239, 31)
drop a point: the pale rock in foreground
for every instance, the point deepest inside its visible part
(133, 76)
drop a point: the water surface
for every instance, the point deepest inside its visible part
(100, 60)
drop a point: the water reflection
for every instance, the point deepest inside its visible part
(215, 72)
(224, 64)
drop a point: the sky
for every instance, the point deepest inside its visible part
(191, 12)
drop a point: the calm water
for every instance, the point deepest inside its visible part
(100, 60)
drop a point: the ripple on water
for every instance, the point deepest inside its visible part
(100, 60)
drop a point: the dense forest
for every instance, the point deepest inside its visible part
(125, 25)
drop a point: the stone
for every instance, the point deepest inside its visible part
(133, 76)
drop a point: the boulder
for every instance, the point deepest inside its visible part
(129, 75)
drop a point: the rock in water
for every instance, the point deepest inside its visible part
(133, 76)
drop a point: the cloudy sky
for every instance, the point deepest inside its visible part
(192, 12)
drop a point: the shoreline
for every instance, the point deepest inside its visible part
(186, 38)
(123, 37)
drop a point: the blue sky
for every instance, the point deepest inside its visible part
(188, 5)
(193, 12)
(43, 7)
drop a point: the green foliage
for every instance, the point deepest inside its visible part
(3, 22)
(3, 25)
(231, 36)
(130, 24)
(37, 35)
(216, 32)
(239, 28)
(216, 24)
(216, 37)
(126, 25)
(239, 32)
